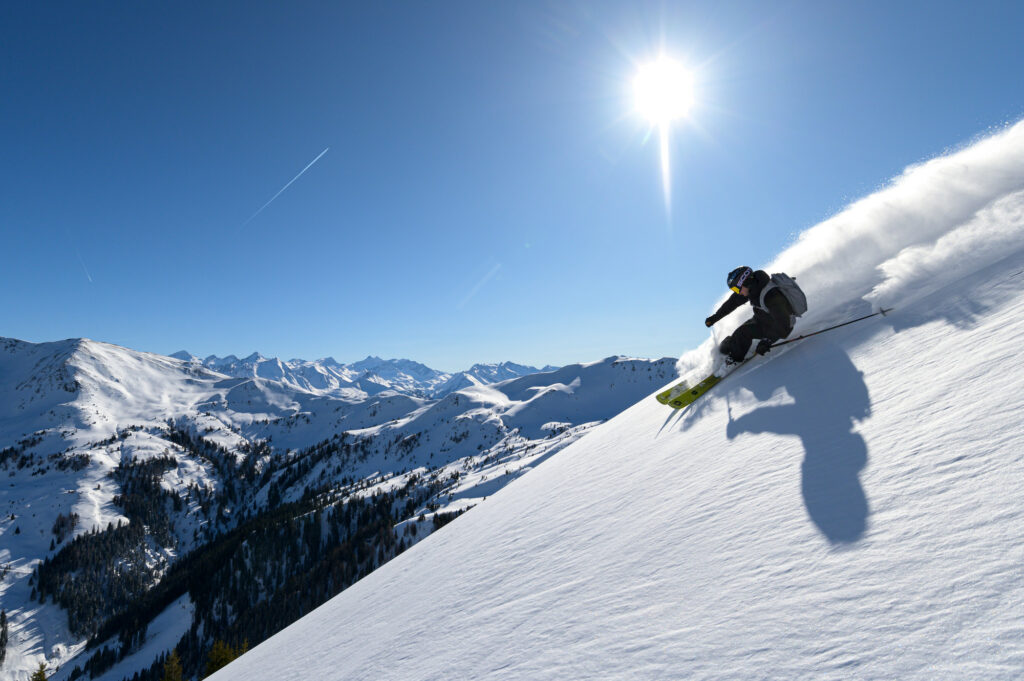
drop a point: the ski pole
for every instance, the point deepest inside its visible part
(882, 312)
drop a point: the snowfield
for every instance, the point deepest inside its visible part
(848, 508)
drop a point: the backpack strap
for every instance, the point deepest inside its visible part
(764, 293)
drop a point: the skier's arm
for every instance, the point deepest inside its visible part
(730, 304)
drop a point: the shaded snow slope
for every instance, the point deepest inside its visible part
(847, 508)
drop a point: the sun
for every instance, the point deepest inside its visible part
(663, 91)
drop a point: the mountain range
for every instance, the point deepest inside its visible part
(127, 469)
(361, 379)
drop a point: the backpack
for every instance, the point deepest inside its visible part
(790, 289)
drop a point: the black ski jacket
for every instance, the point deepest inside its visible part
(775, 319)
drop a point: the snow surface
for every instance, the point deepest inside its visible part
(848, 509)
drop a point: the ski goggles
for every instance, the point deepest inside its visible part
(735, 288)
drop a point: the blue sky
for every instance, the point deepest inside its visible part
(488, 193)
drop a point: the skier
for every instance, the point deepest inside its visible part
(773, 319)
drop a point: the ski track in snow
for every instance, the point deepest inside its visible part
(849, 509)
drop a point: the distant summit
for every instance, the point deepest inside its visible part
(370, 376)
(483, 374)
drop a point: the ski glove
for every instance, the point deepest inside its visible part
(764, 346)
(710, 320)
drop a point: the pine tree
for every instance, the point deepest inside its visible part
(39, 674)
(172, 668)
(221, 655)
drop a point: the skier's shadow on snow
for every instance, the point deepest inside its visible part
(829, 397)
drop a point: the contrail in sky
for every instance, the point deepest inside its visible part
(88, 276)
(479, 285)
(286, 186)
(78, 254)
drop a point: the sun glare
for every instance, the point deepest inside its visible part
(663, 90)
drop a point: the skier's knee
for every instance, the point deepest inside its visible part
(733, 349)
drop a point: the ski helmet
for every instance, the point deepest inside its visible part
(737, 278)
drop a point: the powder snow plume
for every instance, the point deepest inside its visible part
(933, 224)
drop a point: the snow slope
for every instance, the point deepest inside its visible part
(849, 508)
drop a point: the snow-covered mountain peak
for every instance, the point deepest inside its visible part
(501, 371)
(483, 374)
(389, 367)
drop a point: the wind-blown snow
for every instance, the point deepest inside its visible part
(848, 509)
(995, 232)
(935, 223)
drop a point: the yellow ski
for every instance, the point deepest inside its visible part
(681, 394)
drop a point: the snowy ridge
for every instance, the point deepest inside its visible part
(483, 419)
(848, 508)
(482, 374)
(481, 438)
(35, 380)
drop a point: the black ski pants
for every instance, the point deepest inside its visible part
(737, 345)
